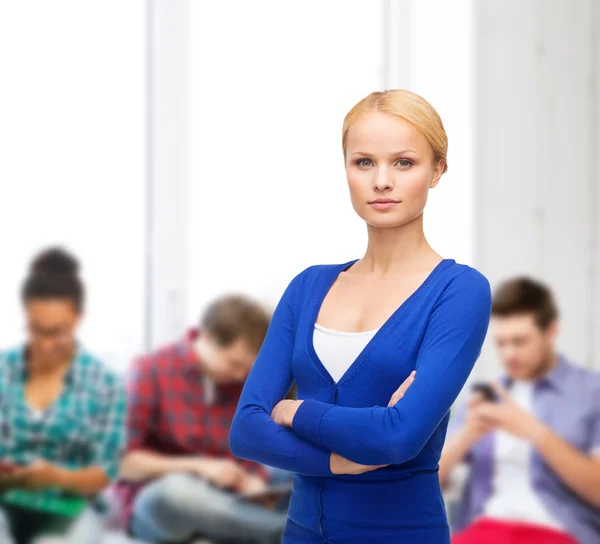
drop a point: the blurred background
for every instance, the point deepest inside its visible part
(187, 148)
(184, 149)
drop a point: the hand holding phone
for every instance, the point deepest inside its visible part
(269, 493)
(486, 391)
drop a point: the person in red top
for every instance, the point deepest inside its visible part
(178, 478)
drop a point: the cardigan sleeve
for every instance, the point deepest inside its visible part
(392, 435)
(254, 435)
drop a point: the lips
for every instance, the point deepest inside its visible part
(383, 204)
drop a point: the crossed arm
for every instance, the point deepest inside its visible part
(367, 436)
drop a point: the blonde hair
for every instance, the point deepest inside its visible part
(407, 106)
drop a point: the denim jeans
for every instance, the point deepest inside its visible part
(178, 507)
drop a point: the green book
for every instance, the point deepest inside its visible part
(47, 501)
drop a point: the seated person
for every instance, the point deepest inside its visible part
(534, 451)
(62, 416)
(179, 479)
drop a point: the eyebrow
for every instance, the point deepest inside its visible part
(393, 154)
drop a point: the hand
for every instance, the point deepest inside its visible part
(7, 468)
(284, 412)
(341, 465)
(223, 473)
(476, 425)
(251, 484)
(510, 417)
(254, 484)
(399, 393)
(38, 475)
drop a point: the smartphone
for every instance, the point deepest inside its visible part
(272, 492)
(486, 391)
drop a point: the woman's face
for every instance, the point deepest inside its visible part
(51, 325)
(390, 168)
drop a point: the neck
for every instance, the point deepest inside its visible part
(401, 248)
(37, 366)
(199, 348)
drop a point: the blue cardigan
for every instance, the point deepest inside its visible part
(438, 331)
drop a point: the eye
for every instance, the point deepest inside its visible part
(364, 162)
(404, 163)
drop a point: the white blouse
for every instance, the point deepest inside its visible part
(337, 350)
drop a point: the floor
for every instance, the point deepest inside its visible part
(119, 538)
(116, 538)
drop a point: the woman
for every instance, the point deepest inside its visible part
(365, 453)
(61, 416)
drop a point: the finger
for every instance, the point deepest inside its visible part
(11, 481)
(476, 398)
(502, 393)
(276, 410)
(399, 393)
(488, 412)
(405, 384)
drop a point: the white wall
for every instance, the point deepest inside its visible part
(536, 171)
(270, 85)
(168, 170)
(441, 66)
(72, 168)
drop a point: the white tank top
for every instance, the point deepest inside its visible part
(337, 350)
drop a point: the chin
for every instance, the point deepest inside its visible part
(521, 374)
(387, 220)
(381, 221)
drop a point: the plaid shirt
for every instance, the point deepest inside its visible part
(170, 412)
(84, 427)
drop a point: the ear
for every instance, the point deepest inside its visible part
(553, 330)
(437, 173)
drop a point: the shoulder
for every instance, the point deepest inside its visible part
(10, 356)
(460, 299)
(584, 378)
(312, 275)
(317, 271)
(465, 277)
(160, 361)
(10, 361)
(580, 387)
(96, 374)
(464, 285)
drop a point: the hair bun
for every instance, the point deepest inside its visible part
(55, 261)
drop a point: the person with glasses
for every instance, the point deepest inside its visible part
(62, 416)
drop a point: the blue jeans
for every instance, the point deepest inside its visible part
(178, 507)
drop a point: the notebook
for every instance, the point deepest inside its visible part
(46, 501)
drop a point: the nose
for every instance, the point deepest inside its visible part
(383, 180)
(509, 353)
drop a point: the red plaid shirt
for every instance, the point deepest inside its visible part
(169, 413)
